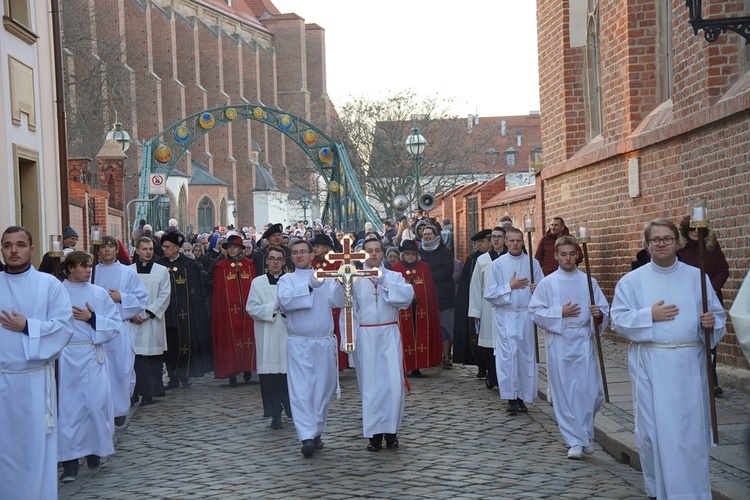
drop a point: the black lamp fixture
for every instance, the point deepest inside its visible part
(716, 26)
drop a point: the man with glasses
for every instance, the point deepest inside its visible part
(482, 311)
(659, 308)
(131, 298)
(311, 347)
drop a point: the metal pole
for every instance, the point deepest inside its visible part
(531, 280)
(416, 177)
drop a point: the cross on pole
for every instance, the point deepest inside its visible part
(346, 274)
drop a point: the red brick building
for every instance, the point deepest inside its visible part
(163, 60)
(639, 117)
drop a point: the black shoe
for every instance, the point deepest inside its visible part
(522, 407)
(391, 441)
(70, 471)
(134, 400)
(93, 461)
(318, 443)
(376, 443)
(120, 421)
(490, 383)
(233, 381)
(276, 422)
(147, 400)
(247, 376)
(416, 374)
(718, 391)
(308, 448)
(482, 374)
(186, 382)
(513, 407)
(174, 383)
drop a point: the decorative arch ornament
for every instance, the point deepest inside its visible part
(345, 207)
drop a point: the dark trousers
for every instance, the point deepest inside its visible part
(487, 355)
(275, 394)
(148, 375)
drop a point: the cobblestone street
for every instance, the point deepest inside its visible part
(211, 441)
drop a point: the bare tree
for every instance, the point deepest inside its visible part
(376, 132)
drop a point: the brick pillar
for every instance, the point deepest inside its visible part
(110, 167)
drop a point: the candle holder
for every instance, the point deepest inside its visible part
(698, 213)
(56, 245)
(528, 223)
(581, 232)
(96, 235)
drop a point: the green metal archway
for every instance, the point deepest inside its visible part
(345, 206)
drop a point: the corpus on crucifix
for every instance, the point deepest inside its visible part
(346, 274)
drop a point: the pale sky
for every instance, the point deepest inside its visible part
(481, 53)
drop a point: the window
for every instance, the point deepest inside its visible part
(17, 19)
(664, 51)
(510, 157)
(205, 215)
(519, 136)
(593, 96)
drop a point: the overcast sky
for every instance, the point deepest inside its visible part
(481, 53)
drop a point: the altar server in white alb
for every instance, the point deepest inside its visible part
(509, 289)
(659, 308)
(35, 325)
(311, 346)
(86, 426)
(270, 337)
(149, 327)
(131, 298)
(561, 305)
(378, 353)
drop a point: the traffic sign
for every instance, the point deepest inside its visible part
(157, 184)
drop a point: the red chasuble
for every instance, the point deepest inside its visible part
(420, 323)
(343, 356)
(233, 334)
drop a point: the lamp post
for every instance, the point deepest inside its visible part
(118, 134)
(415, 145)
(304, 201)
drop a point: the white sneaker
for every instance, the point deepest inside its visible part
(588, 450)
(575, 453)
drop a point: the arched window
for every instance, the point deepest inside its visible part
(223, 212)
(162, 210)
(205, 215)
(593, 96)
(182, 220)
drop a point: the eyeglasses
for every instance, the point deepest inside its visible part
(275, 259)
(662, 241)
(300, 252)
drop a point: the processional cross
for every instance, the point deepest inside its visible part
(346, 274)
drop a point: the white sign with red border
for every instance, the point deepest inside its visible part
(157, 184)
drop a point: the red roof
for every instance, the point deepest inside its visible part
(512, 195)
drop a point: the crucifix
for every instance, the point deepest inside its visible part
(346, 274)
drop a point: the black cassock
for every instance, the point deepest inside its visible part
(464, 332)
(187, 319)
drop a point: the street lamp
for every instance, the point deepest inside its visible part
(415, 145)
(305, 202)
(118, 134)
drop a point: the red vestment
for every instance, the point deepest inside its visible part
(233, 332)
(423, 347)
(336, 311)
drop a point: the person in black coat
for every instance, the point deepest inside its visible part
(436, 255)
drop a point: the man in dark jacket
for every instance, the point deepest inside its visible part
(436, 255)
(545, 252)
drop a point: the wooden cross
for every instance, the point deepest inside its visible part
(346, 274)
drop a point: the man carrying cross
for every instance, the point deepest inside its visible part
(311, 345)
(378, 355)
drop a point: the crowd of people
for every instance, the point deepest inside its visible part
(282, 302)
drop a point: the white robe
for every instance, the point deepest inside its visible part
(572, 366)
(517, 375)
(85, 423)
(478, 307)
(270, 326)
(740, 314)
(670, 384)
(312, 374)
(150, 337)
(120, 352)
(28, 408)
(378, 353)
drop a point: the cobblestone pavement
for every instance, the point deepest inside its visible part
(211, 441)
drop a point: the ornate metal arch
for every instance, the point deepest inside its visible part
(345, 206)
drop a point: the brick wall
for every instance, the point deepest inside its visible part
(698, 146)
